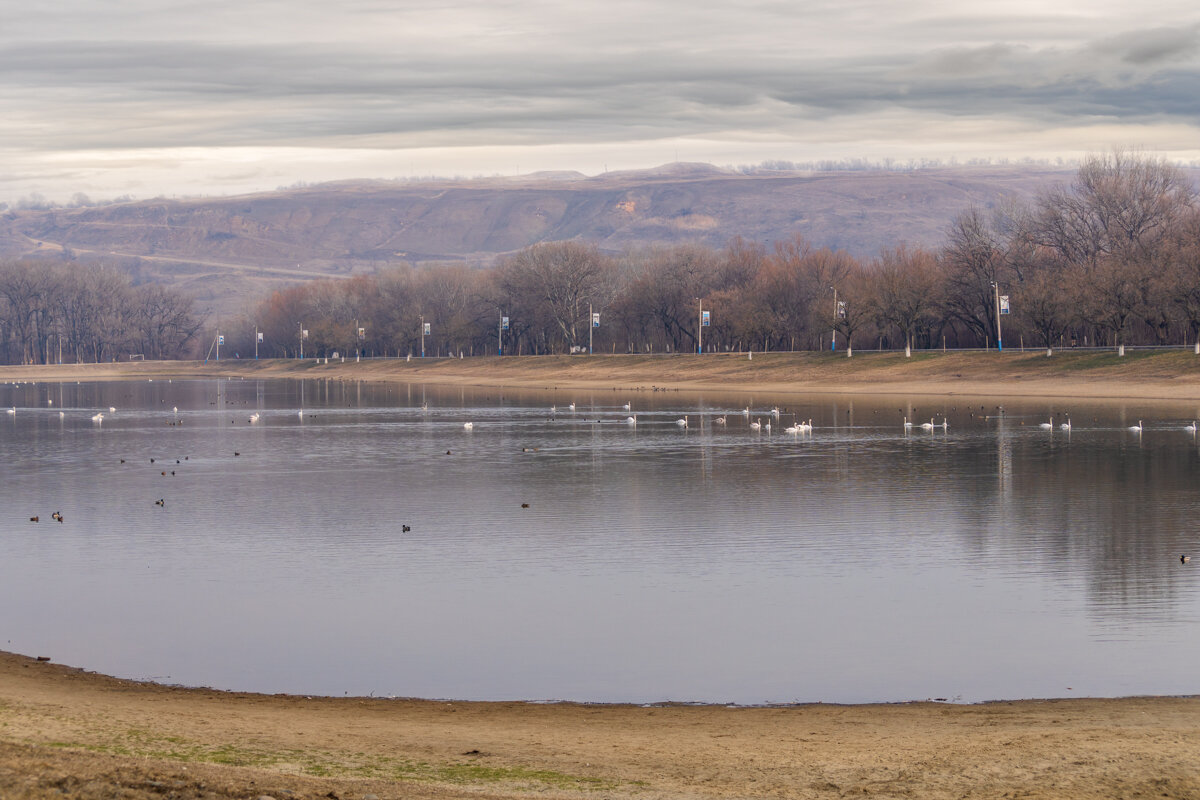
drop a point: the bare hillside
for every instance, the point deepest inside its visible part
(227, 249)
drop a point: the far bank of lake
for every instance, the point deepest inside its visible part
(1172, 374)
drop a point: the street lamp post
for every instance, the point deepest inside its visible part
(422, 336)
(700, 328)
(591, 327)
(301, 324)
(999, 338)
(833, 333)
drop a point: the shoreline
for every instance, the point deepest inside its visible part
(1171, 375)
(65, 731)
(68, 732)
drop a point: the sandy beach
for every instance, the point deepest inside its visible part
(1143, 374)
(65, 731)
(68, 732)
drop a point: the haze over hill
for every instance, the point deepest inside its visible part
(227, 250)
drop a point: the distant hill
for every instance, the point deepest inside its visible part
(227, 250)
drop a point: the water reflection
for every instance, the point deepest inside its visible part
(567, 554)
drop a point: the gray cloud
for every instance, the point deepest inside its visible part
(372, 74)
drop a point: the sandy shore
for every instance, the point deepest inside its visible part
(63, 730)
(1163, 375)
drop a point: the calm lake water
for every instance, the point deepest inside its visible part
(859, 562)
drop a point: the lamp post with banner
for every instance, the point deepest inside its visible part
(1001, 308)
(220, 341)
(833, 333)
(303, 336)
(424, 333)
(704, 323)
(500, 334)
(362, 335)
(258, 337)
(595, 318)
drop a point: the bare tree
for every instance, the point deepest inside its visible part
(566, 277)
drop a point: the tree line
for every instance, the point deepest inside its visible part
(64, 313)
(1111, 258)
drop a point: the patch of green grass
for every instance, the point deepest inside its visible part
(145, 744)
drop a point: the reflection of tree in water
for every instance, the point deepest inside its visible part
(1115, 514)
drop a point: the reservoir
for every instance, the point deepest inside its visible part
(359, 539)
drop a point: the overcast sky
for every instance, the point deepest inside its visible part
(185, 97)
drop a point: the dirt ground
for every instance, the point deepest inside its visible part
(66, 732)
(1166, 375)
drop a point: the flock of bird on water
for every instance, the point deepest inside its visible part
(757, 424)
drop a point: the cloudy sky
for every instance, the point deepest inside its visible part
(186, 97)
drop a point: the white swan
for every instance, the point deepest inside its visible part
(945, 423)
(1066, 426)
(1136, 428)
(631, 420)
(756, 425)
(571, 406)
(775, 412)
(682, 422)
(12, 410)
(806, 426)
(793, 429)
(1190, 428)
(746, 411)
(254, 418)
(98, 418)
(927, 426)
(469, 426)
(720, 421)
(628, 406)
(767, 426)
(112, 410)
(1047, 425)
(907, 424)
